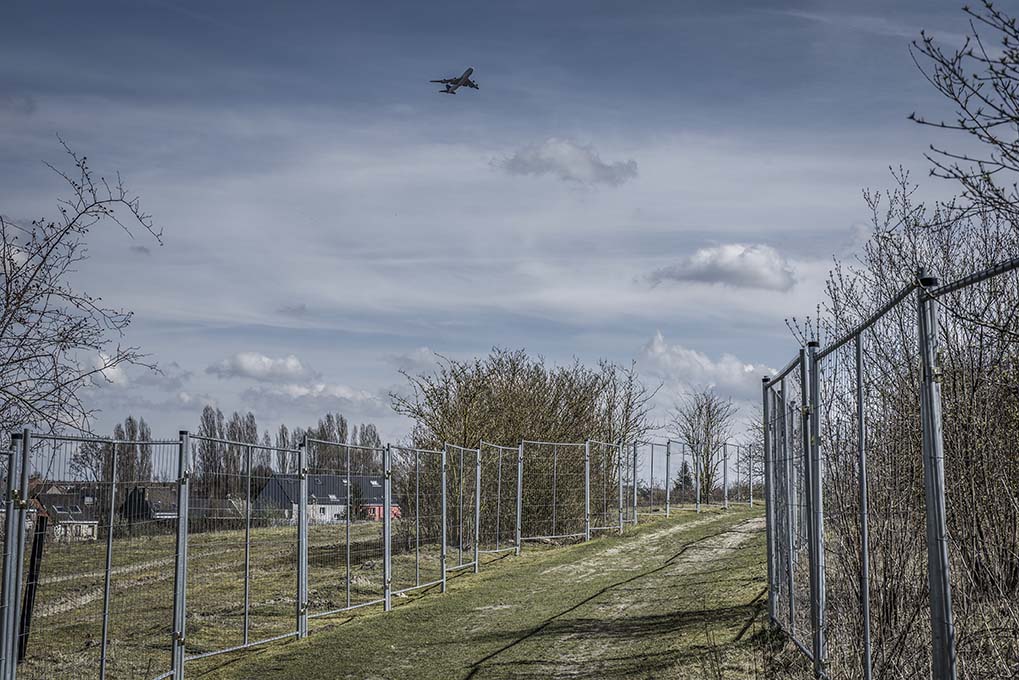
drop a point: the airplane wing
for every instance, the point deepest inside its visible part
(445, 81)
(471, 83)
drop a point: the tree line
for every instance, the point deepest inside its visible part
(219, 450)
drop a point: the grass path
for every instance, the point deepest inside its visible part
(676, 598)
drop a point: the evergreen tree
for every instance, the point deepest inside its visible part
(144, 451)
(127, 453)
(282, 444)
(208, 464)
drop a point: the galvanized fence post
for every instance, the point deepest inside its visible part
(810, 399)
(417, 518)
(520, 498)
(181, 557)
(349, 521)
(442, 554)
(555, 489)
(787, 454)
(739, 479)
(460, 509)
(651, 475)
(750, 473)
(635, 482)
(725, 474)
(587, 490)
(619, 475)
(21, 527)
(861, 450)
(697, 479)
(302, 539)
(7, 562)
(247, 543)
(817, 490)
(477, 510)
(668, 461)
(942, 626)
(769, 495)
(387, 528)
(112, 509)
(11, 587)
(742, 475)
(498, 500)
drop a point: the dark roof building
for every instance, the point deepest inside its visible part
(149, 502)
(282, 491)
(71, 517)
(63, 508)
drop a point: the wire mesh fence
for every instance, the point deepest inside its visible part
(747, 474)
(88, 557)
(675, 473)
(128, 559)
(417, 531)
(891, 480)
(605, 463)
(242, 545)
(553, 494)
(651, 477)
(976, 338)
(631, 494)
(463, 471)
(683, 475)
(791, 508)
(500, 476)
(345, 507)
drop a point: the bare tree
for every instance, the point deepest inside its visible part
(56, 341)
(704, 420)
(981, 80)
(979, 351)
(508, 396)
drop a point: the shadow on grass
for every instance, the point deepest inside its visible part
(624, 666)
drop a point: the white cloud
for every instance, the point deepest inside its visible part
(682, 369)
(191, 399)
(170, 377)
(107, 375)
(260, 367)
(515, 263)
(733, 264)
(15, 255)
(315, 398)
(569, 161)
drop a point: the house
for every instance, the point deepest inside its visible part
(149, 502)
(327, 497)
(71, 517)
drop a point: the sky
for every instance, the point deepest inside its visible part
(658, 182)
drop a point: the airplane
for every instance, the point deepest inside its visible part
(453, 83)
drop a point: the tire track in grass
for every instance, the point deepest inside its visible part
(578, 646)
(641, 600)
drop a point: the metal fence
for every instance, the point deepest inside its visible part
(127, 559)
(673, 473)
(892, 486)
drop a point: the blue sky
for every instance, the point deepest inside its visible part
(663, 182)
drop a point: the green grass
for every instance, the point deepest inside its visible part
(673, 598)
(67, 621)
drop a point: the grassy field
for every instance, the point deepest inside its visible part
(67, 616)
(676, 598)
